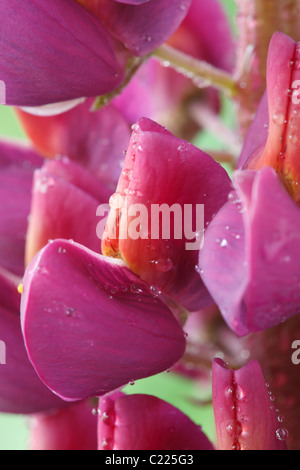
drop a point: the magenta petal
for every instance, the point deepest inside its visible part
(90, 325)
(244, 413)
(65, 199)
(96, 139)
(217, 43)
(21, 391)
(132, 2)
(145, 422)
(73, 428)
(250, 257)
(17, 165)
(142, 28)
(161, 170)
(54, 51)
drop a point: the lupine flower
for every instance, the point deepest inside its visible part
(70, 53)
(171, 106)
(53, 195)
(145, 422)
(161, 169)
(104, 326)
(250, 261)
(245, 419)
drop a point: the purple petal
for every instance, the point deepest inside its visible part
(21, 391)
(17, 165)
(90, 325)
(145, 422)
(65, 198)
(96, 139)
(250, 257)
(143, 27)
(54, 51)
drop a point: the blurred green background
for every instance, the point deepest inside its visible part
(14, 429)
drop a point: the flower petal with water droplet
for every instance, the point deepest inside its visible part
(91, 332)
(244, 415)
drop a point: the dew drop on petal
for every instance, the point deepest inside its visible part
(282, 434)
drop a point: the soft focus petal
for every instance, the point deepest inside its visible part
(170, 106)
(161, 169)
(96, 329)
(65, 198)
(132, 2)
(145, 422)
(21, 391)
(17, 165)
(216, 43)
(54, 51)
(249, 262)
(141, 28)
(96, 139)
(244, 414)
(73, 428)
(257, 134)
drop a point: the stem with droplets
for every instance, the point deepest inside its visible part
(200, 72)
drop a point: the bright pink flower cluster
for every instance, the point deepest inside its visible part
(97, 314)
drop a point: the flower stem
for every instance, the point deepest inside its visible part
(200, 72)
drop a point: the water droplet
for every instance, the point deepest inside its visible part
(96, 411)
(70, 312)
(135, 289)
(132, 382)
(229, 392)
(278, 118)
(156, 292)
(282, 434)
(163, 264)
(234, 428)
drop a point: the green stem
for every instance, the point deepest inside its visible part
(200, 72)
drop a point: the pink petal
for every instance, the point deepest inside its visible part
(283, 78)
(96, 139)
(257, 134)
(17, 165)
(249, 262)
(145, 422)
(21, 391)
(161, 169)
(217, 43)
(52, 52)
(73, 428)
(65, 199)
(245, 416)
(90, 325)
